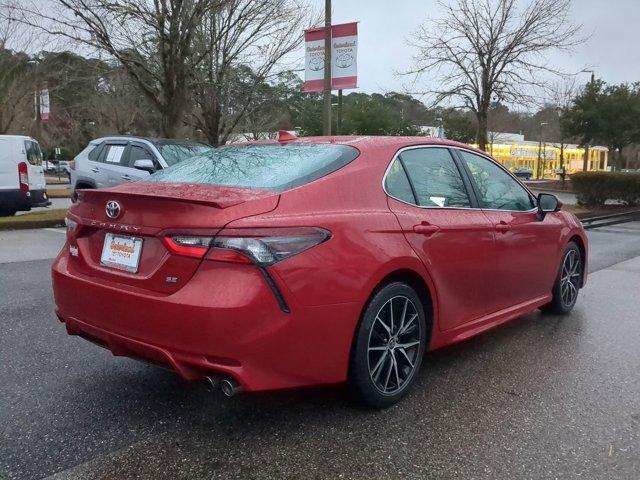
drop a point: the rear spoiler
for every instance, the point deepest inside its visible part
(217, 196)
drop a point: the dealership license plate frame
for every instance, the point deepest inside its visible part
(130, 267)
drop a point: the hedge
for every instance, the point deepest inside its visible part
(595, 188)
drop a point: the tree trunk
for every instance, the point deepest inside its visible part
(170, 122)
(585, 160)
(481, 134)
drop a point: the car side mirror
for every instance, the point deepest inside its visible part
(548, 203)
(145, 164)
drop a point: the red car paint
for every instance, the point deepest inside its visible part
(480, 267)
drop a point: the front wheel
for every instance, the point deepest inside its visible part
(389, 346)
(568, 282)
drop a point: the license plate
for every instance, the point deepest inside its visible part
(121, 252)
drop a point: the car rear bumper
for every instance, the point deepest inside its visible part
(39, 198)
(224, 321)
(23, 201)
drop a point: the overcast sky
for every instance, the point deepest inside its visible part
(612, 50)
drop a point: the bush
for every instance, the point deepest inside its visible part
(595, 188)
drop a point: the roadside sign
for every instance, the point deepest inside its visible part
(344, 55)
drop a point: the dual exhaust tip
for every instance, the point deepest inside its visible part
(227, 385)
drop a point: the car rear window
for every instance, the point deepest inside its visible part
(275, 167)
(32, 149)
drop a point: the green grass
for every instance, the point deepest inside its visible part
(47, 218)
(58, 193)
(57, 181)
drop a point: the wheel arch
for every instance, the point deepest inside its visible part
(579, 241)
(416, 280)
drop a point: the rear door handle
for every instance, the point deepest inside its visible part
(95, 169)
(426, 229)
(126, 177)
(503, 227)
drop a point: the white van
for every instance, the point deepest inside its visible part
(22, 184)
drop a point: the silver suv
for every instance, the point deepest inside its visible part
(110, 161)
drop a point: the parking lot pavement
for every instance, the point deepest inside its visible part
(611, 245)
(541, 397)
(26, 245)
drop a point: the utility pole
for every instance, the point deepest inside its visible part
(326, 127)
(585, 161)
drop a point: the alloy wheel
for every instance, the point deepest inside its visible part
(394, 343)
(570, 278)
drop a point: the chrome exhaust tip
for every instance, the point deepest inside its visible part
(212, 383)
(230, 387)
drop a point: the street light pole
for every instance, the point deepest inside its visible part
(540, 165)
(563, 175)
(326, 128)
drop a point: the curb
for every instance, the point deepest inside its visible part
(31, 224)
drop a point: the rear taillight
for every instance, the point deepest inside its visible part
(23, 177)
(72, 165)
(261, 246)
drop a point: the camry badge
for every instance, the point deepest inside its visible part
(113, 209)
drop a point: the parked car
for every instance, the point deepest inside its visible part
(22, 184)
(110, 161)
(314, 261)
(524, 173)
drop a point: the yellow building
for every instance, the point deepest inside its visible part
(514, 152)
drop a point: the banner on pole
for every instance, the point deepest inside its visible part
(42, 104)
(344, 55)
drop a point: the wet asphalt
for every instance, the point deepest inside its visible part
(542, 397)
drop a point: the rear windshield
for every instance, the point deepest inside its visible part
(274, 167)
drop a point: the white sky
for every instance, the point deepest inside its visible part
(612, 49)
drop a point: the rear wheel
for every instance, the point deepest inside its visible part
(568, 282)
(389, 346)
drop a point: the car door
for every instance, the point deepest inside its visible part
(33, 155)
(89, 167)
(526, 244)
(114, 162)
(139, 151)
(435, 206)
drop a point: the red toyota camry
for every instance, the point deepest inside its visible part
(313, 261)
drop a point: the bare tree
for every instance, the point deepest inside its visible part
(152, 40)
(482, 51)
(15, 71)
(244, 45)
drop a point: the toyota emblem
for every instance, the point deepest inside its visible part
(113, 209)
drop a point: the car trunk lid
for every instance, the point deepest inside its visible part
(149, 212)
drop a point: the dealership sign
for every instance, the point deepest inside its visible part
(344, 50)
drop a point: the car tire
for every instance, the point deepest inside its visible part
(7, 213)
(568, 282)
(388, 350)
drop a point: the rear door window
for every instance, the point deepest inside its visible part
(434, 178)
(33, 152)
(113, 154)
(274, 166)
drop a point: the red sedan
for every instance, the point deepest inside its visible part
(314, 261)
